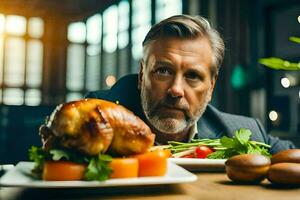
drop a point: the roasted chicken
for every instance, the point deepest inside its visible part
(93, 126)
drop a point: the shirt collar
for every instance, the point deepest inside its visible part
(193, 131)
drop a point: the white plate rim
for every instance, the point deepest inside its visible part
(198, 162)
(16, 177)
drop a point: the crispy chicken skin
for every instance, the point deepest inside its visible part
(94, 126)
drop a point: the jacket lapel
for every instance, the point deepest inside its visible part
(212, 125)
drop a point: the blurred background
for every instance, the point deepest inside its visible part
(55, 51)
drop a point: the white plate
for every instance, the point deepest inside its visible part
(19, 177)
(196, 164)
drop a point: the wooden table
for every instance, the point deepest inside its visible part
(208, 186)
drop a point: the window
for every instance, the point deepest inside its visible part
(123, 25)
(93, 51)
(21, 60)
(123, 38)
(141, 23)
(77, 32)
(83, 57)
(167, 8)
(110, 43)
(76, 60)
(99, 50)
(110, 29)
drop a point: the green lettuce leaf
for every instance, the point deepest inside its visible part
(98, 168)
(58, 154)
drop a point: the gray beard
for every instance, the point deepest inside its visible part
(169, 125)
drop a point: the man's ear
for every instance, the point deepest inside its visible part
(213, 83)
(214, 80)
(140, 76)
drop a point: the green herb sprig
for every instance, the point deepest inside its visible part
(240, 144)
(98, 168)
(177, 147)
(280, 64)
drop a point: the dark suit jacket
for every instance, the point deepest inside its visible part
(213, 123)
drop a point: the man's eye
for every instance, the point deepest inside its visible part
(163, 71)
(193, 76)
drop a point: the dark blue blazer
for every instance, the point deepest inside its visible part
(213, 123)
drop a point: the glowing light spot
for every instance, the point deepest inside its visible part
(273, 115)
(285, 82)
(16, 25)
(110, 80)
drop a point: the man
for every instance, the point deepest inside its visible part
(178, 72)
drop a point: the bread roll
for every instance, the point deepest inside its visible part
(247, 167)
(284, 173)
(286, 156)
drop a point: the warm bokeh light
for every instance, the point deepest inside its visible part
(299, 18)
(2, 19)
(35, 27)
(273, 115)
(110, 80)
(285, 82)
(15, 25)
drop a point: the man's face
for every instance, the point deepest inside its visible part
(176, 82)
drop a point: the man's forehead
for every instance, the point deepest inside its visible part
(173, 42)
(194, 47)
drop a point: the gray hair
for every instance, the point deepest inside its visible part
(190, 27)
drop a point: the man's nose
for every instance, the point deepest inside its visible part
(177, 88)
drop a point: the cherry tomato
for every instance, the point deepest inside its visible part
(202, 152)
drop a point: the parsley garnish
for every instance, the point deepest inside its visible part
(98, 168)
(240, 144)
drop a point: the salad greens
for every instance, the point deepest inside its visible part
(97, 166)
(224, 147)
